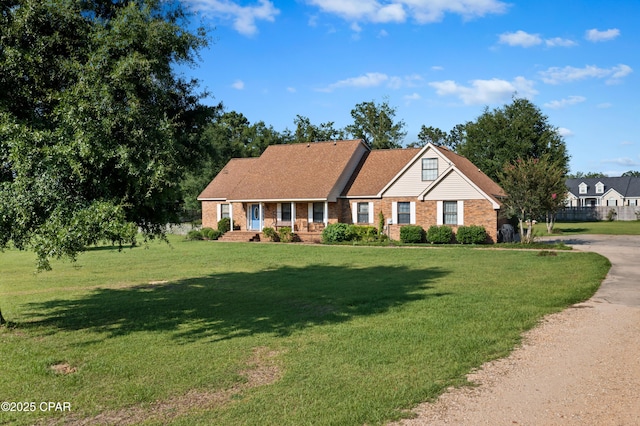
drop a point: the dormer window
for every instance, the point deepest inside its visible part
(429, 168)
(582, 188)
(599, 188)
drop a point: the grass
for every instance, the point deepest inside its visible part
(214, 333)
(603, 227)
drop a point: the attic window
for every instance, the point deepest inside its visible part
(429, 168)
(599, 188)
(582, 188)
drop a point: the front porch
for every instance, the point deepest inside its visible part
(302, 217)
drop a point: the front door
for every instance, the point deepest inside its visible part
(254, 219)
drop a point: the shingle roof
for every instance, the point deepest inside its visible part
(301, 171)
(627, 186)
(477, 176)
(228, 178)
(377, 169)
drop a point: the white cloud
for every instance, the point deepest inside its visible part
(571, 100)
(622, 161)
(238, 85)
(559, 42)
(485, 91)
(243, 17)
(565, 133)
(370, 79)
(520, 38)
(437, 68)
(556, 75)
(524, 39)
(422, 11)
(291, 89)
(597, 35)
(374, 79)
(412, 97)
(383, 33)
(605, 105)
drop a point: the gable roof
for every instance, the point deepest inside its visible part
(475, 175)
(302, 171)
(377, 169)
(627, 186)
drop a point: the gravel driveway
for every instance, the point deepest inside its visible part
(579, 367)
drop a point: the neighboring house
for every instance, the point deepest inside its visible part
(307, 186)
(606, 191)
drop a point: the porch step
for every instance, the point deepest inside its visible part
(240, 236)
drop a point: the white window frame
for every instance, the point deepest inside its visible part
(219, 212)
(429, 173)
(599, 188)
(583, 188)
(412, 212)
(440, 213)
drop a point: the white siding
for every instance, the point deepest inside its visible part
(453, 187)
(410, 184)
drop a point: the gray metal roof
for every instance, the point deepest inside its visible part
(627, 186)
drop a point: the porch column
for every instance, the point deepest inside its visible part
(260, 221)
(326, 213)
(293, 217)
(230, 216)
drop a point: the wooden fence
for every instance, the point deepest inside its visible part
(586, 214)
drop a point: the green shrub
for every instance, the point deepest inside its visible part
(271, 234)
(224, 225)
(285, 234)
(210, 233)
(361, 233)
(412, 234)
(380, 223)
(473, 234)
(336, 232)
(611, 215)
(194, 235)
(439, 234)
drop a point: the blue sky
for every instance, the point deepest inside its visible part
(438, 62)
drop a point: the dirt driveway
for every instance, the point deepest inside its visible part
(579, 367)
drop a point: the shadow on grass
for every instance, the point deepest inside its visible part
(218, 307)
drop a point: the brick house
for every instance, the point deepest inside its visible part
(307, 186)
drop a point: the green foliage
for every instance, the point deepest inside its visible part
(270, 233)
(224, 225)
(611, 215)
(363, 233)
(286, 235)
(93, 118)
(473, 234)
(381, 223)
(194, 235)
(517, 130)
(374, 124)
(210, 233)
(534, 187)
(336, 233)
(412, 234)
(440, 234)
(307, 132)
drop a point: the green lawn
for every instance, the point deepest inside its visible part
(603, 227)
(259, 334)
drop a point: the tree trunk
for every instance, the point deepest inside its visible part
(2, 320)
(551, 218)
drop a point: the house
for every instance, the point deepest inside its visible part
(605, 191)
(307, 186)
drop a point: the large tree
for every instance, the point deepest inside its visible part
(308, 132)
(96, 128)
(516, 130)
(374, 123)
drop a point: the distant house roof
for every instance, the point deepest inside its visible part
(303, 171)
(377, 169)
(626, 186)
(477, 176)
